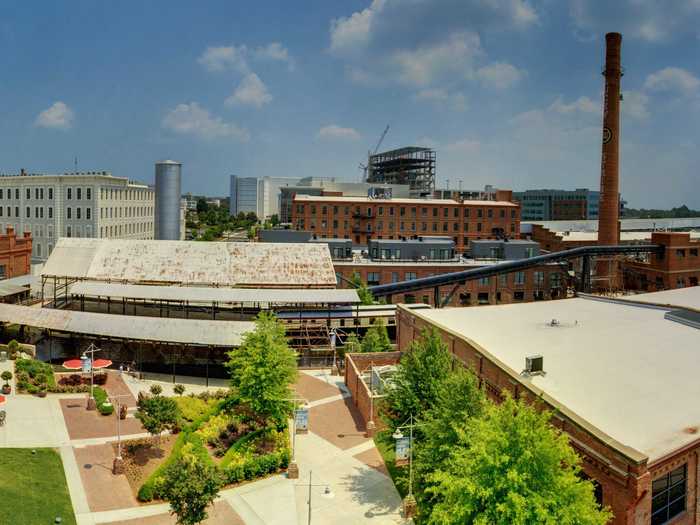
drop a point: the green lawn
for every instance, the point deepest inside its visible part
(385, 445)
(33, 487)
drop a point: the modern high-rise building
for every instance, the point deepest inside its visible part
(167, 212)
(81, 204)
(259, 195)
(558, 205)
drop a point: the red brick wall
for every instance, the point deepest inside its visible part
(391, 220)
(494, 287)
(15, 253)
(357, 363)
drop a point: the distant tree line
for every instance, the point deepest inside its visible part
(682, 212)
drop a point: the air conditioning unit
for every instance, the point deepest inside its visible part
(534, 365)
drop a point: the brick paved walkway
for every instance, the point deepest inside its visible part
(84, 424)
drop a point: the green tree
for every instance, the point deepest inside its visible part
(363, 292)
(376, 338)
(202, 206)
(157, 413)
(512, 467)
(275, 220)
(416, 384)
(156, 390)
(458, 399)
(179, 389)
(352, 344)
(190, 485)
(262, 369)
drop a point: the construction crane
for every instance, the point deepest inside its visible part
(365, 167)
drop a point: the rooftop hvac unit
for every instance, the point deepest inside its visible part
(534, 365)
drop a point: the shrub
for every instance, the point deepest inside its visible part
(13, 348)
(100, 379)
(179, 389)
(156, 390)
(192, 407)
(71, 380)
(212, 429)
(6, 376)
(31, 389)
(146, 492)
(106, 409)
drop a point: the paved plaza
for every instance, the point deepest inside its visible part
(349, 483)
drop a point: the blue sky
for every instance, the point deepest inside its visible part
(507, 91)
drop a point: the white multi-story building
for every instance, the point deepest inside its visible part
(258, 195)
(82, 204)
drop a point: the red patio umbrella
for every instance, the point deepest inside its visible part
(76, 364)
(2, 400)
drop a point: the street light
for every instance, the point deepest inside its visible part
(409, 502)
(91, 404)
(371, 427)
(118, 465)
(293, 468)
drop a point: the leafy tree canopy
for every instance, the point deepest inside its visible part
(511, 467)
(262, 369)
(190, 485)
(376, 338)
(362, 290)
(157, 413)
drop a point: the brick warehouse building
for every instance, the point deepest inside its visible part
(362, 218)
(15, 254)
(678, 266)
(620, 378)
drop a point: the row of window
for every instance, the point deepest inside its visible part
(77, 192)
(72, 230)
(680, 252)
(78, 213)
(402, 226)
(490, 212)
(519, 278)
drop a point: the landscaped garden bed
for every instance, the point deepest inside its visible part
(34, 377)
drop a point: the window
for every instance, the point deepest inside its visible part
(479, 213)
(50, 194)
(69, 193)
(1, 193)
(394, 277)
(373, 278)
(50, 212)
(36, 212)
(539, 278)
(29, 193)
(78, 193)
(668, 495)
(680, 253)
(520, 278)
(41, 194)
(693, 251)
(503, 279)
(410, 276)
(36, 193)
(1, 208)
(16, 211)
(77, 213)
(29, 212)
(68, 231)
(88, 213)
(484, 281)
(88, 193)
(17, 193)
(68, 213)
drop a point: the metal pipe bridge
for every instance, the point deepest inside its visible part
(458, 278)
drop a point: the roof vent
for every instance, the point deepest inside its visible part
(554, 322)
(534, 366)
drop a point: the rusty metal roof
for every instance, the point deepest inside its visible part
(165, 330)
(289, 265)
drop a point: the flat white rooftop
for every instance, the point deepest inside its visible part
(623, 370)
(678, 298)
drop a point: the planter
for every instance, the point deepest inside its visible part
(41, 393)
(122, 412)
(6, 389)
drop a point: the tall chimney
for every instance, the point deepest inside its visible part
(609, 206)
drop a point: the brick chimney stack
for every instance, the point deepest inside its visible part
(609, 207)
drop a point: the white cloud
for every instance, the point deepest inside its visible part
(333, 131)
(456, 101)
(58, 116)
(425, 65)
(673, 79)
(647, 20)
(276, 52)
(250, 92)
(464, 146)
(348, 34)
(192, 119)
(580, 105)
(635, 105)
(238, 58)
(225, 57)
(500, 75)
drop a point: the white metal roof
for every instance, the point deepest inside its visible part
(621, 369)
(196, 294)
(223, 263)
(183, 331)
(679, 298)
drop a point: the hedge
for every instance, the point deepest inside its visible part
(149, 489)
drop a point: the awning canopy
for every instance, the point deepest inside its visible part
(152, 329)
(198, 294)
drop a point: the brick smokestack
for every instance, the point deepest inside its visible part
(609, 206)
